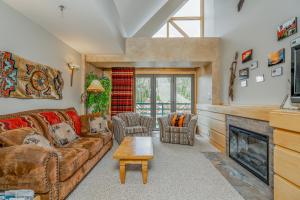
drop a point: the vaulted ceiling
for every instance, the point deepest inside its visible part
(98, 26)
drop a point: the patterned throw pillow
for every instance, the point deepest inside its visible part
(178, 120)
(38, 140)
(63, 134)
(98, 125)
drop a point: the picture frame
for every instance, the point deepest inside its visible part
(247, 55)
(260, 78)
(254, 65)
(287, 29)
(278, 71)
(244, 83)
(244, 73)
(277, 57)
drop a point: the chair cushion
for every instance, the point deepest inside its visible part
(92, 144)
(136, 129)
(175, 129)
(72, 159)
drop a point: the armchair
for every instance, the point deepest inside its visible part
(178, 135)
(131, 124)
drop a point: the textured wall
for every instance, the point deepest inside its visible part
(254, 28)
(26, 39)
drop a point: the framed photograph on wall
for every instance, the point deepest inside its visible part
(244, 74)
(287, 29)
(278, 71)
(277, 57)
(247, 55)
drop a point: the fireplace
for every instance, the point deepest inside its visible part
(251, 150)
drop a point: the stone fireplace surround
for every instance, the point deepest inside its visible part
(258, 126)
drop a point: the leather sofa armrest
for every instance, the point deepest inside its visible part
(29, 167)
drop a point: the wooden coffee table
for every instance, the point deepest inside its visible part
(134, 150)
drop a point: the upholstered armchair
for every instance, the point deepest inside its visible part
(178, 135)
(131, 124)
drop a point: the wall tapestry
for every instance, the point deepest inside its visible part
(122, 98)
(21, 78)
(276, 57)
(287, 29)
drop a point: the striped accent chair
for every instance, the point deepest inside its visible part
(178, 135)
(131, 124)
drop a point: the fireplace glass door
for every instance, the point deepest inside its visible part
(250, 150)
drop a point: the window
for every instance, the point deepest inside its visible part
(187, 22)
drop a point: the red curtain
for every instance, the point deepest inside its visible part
(122, 99)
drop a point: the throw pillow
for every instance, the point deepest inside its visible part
(178, 119)
(63, 134)
(98, 125)
(15, 136)
(38, 140)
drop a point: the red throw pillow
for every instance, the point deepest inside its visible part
(51, 117)
(76, 120)
(14, 123)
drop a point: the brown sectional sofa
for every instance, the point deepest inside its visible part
(52, 174)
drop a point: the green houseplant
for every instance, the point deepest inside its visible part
(98, 102)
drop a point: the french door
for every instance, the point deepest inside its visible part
(158, 95)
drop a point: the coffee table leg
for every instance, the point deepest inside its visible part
(145, 171)
(122, 172)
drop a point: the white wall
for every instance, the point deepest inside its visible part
(254, 28)
(26, 39)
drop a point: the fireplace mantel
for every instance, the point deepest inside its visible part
(253, 112)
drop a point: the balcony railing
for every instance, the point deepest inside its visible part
(162, 109)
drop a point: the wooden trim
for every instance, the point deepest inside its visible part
(202, 21)
(184, 34)
(183, 71)
(283, 189)
(187, 18)
(288, 120)
(287, 139)
(287, 164)
(252, 112)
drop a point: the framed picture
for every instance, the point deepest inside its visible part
(254, 65)
(244, 74)
(260, 78)
(276, 58)
(278, 71)
(244, 83)
(287, 29)
(247, 55)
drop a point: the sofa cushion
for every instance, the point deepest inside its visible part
(92, 144)
(51, 117)
(73, 118)
(72, 159)
(136, 129)
(62, 134)
(16, 122)
(15, 136)
(106, 137)
(175, 129)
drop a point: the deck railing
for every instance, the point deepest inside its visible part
(162, 109)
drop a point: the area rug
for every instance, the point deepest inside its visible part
(177, 172)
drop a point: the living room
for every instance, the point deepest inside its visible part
(137, 99)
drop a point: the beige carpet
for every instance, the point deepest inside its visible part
(177, 172)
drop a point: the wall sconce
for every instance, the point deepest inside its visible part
(73, 67)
